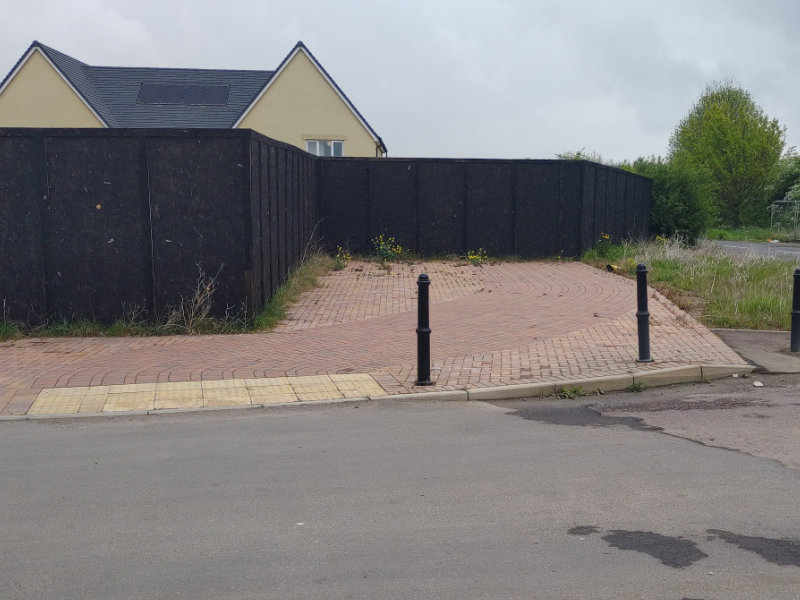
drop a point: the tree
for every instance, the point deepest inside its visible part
(784, 181)
(728, 139)
(679, 197)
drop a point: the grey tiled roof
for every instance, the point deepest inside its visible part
(118, 89)
(112, 92)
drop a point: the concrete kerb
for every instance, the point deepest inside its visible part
(443, 396)
(712, 371)
(650, 378)
(669, 376)
(507, 392)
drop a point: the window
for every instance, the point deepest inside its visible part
(325, 147)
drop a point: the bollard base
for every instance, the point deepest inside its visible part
(425, 382)
(644, 360)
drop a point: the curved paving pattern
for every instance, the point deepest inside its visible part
(492, 325)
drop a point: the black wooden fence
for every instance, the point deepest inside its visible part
(531, 208)
(97, 222)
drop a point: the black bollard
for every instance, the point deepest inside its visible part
(423, 333)
(795, 343)
(642, 314)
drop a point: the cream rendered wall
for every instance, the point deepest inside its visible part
(300, 104)
(38, 96)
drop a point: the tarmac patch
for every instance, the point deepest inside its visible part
(576, 416)
(674, 552)
(583, 530)
(778, 552)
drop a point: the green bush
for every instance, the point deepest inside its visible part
(680, 197)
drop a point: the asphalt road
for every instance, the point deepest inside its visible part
(537, 499)
(777, 250)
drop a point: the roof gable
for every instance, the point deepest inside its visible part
(114, 94)
(70, 70)
(301, 47)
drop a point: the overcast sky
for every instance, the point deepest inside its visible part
(506, 79)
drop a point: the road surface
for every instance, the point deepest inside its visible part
(537, 499)
(777, 250)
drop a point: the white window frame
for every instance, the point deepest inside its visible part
(317, 148)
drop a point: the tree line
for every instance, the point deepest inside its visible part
(726, 165)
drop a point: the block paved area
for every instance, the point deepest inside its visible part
(493, 325)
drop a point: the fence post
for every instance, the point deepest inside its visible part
(795, 343)
(423, 333)
(642, 314)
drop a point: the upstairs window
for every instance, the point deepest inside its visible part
(325, 147)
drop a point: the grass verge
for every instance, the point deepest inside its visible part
(301, 280)
(720, 289)
(190, 317)
(749, 234)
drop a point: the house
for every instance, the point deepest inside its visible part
(297, 103)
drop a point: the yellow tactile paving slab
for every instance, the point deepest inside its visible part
(172, 395)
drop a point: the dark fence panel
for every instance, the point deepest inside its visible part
(344, 209)
(612, 204)
(600, 204)
(98, 244)
(293, 227)
(538, 208)
(569, 242)
(630, 206)
(436, 206)
(589, 174)
(393, 201)
(198, 215)
(264, 217)
(441, 194)
(23, 229)
(490, 207)
(620, 204)
(274, 222)
(100, 223)
(257, 237)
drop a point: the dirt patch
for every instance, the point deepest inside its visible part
(679, 404)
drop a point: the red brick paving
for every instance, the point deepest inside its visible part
(492, 325)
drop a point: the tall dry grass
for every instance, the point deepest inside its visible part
(721, 289)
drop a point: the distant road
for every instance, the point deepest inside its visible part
(778, 250)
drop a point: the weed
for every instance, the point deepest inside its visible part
(477, 257)
(570, 392)
(635, 387)
(133, 322)
(387, 249)
(9, 331)
(603, 245)
(66, 328)
(190, 315)
(341, 260)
